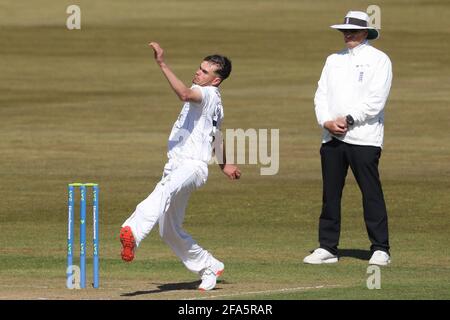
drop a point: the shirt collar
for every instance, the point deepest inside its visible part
(356, 50)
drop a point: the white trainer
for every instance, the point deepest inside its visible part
(217, 267)
(380, 258)
(320, 256)
(209, 275)
(209, 280)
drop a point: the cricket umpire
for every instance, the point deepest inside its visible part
(349, 106)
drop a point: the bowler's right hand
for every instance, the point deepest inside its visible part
(231, 171)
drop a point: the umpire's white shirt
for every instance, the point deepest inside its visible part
(356, 82)
(192, 133)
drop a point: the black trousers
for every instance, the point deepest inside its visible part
(336, 157)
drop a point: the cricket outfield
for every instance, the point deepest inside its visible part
(91, 105)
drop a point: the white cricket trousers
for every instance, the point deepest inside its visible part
(166, 205)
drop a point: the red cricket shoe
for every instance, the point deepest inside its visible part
(128, 244)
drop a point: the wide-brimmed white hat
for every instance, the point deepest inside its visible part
(358, 20)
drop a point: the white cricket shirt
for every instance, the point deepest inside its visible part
(356, 82)
(192, 133)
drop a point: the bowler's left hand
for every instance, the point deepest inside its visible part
(158, 52)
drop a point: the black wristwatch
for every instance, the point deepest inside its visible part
(350, 120)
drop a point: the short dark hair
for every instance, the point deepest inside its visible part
(223, 63)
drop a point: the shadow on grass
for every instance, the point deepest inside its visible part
(355, 253)
(168, 287)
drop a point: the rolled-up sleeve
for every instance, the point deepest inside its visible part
(205, 95)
